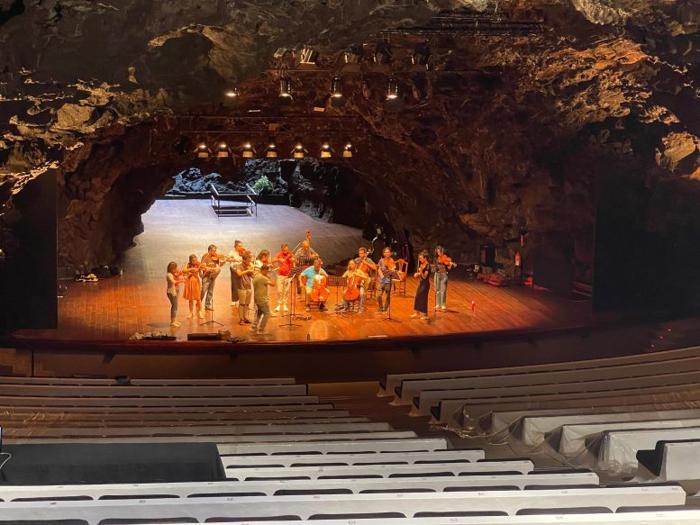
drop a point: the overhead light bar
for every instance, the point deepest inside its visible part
(337, 87)
(308, 56)
(285, 87)
(392, 89)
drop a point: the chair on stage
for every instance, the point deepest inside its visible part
(399, 285)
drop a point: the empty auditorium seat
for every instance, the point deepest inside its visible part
(672, 460)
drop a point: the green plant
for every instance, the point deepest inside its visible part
(262, 185)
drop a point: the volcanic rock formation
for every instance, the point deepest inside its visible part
(533, 118)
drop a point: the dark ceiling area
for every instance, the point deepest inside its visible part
(573, 122)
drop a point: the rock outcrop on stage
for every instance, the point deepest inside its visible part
(508, 134)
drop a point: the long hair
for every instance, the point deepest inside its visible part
(172, 266)
(191, 259)
(262, 254)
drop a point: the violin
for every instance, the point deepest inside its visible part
(421, 270)
(446, 261)
(391, 265)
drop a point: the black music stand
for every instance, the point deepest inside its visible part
(292, 315)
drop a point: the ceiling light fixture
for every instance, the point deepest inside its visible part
(222, 151)
(232, 93)
(326, 150)
(337, 87)
(271, 150)
(299, 151)
(348, 150)
(392, 89)
(247, 151)
(202, 151)
(285, 87)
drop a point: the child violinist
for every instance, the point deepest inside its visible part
(173, 279)
(193, 286)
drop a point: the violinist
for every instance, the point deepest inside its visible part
(386, 271)
(211, 266)
(367, 266)
(443, 264)
(235, 257)
(314, 279)
(193, 286)
(285, 261)
(420, 305)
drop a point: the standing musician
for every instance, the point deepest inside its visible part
(263, 259)
(443, 264)
(235, 257)
(211, 267)
(420, 304)
(314, 279)
(366, 266)
(285, 261)
(245, 272)
(386, 271)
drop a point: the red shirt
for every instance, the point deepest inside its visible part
(285, 261)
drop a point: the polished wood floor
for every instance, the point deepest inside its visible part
(118, 307)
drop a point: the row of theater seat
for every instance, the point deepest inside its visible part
(286, 460)
(596, 413)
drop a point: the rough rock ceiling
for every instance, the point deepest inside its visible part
(506, 133)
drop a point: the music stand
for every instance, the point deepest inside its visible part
(292, 314)
(212, 320)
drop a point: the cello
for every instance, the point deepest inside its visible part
(320, 291)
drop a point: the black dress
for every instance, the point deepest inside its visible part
(421, 302)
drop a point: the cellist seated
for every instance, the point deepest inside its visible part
(354, 288)
(315, 281)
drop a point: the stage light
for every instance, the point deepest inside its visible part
(271, 150)
(421, 55)
(382, 52)
(337, 87)
(354, 54)
(348, 150)
(326, 150)
(202, 151)
(392, 89)
(223, 151)
(247, 151)
(232, 93)
(285, 87)
(308, 56)
(299, 152)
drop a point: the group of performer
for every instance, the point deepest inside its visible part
(251, 280)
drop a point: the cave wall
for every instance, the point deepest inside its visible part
(590, 125)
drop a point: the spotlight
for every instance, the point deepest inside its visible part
(299, 151)
(348, 150)
(223, 151)
(308, 56)
(271, 150)
(285, 87)
(326, 150)
(202, 151)
(2, 255)
(354, 54)
(232, 93)
(247, 151)
(382, 52)
(421, 55)
(337, 88)
(392, 89)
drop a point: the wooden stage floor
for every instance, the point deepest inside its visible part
(116, 308)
